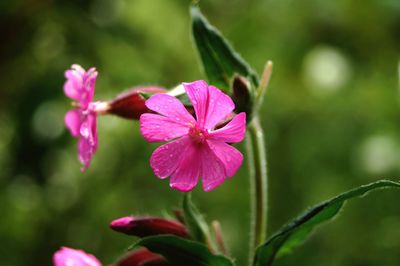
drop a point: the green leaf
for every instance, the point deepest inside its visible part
(220, 61)
(194, 221)
(295, 232)
(179, 251)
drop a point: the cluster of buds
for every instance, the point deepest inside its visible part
(133, 226)
(141, 227)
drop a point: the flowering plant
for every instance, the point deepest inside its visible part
(200, 125)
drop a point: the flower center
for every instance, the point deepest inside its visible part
(197, 134)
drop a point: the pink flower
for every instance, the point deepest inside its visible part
(74, 257)
(82, 120)
(198, 147)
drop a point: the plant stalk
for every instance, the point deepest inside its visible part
(256, 155)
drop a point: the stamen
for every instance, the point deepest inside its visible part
(197, 134)
(75, 104)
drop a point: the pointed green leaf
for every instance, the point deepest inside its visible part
(179, 251)
(194, 221)
(220, 61)
(295, 232)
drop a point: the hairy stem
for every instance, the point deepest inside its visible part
(258, 184)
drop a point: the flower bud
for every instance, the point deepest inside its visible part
(242, 95)
(141, 257)
(148, 226)
(131, 104)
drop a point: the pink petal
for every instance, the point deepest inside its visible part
(78, 69)
(213, 170)
(88, 129)
(85, 153)
(71, 91)
(80, 84)
(89, 84)
(74, 257)
(73, 121)
(187, 174)
(233, 132)
(170, 107)
(87, 144)
(197, 92)
(210, 104)
(166, 158)
(156, 128)
(230, 157)
(220, 106)
(74, 81)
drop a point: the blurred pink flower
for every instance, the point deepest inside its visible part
(74, 257)
(82, 120)
(197, 147)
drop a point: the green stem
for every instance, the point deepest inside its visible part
(258, 184)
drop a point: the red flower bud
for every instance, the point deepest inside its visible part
(131, 104)
(148, 226)
(141, 257)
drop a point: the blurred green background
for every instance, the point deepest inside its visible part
(331, 118)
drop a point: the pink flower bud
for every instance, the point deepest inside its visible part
(141, 257)
(148, 226)
(74, 257)
(131, 104)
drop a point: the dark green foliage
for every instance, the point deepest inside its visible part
(183, 252)
(194, 221)
(220, 61)
(295, 232)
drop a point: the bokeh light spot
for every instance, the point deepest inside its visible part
(47, 122)
(325, 70)
(379, 155)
